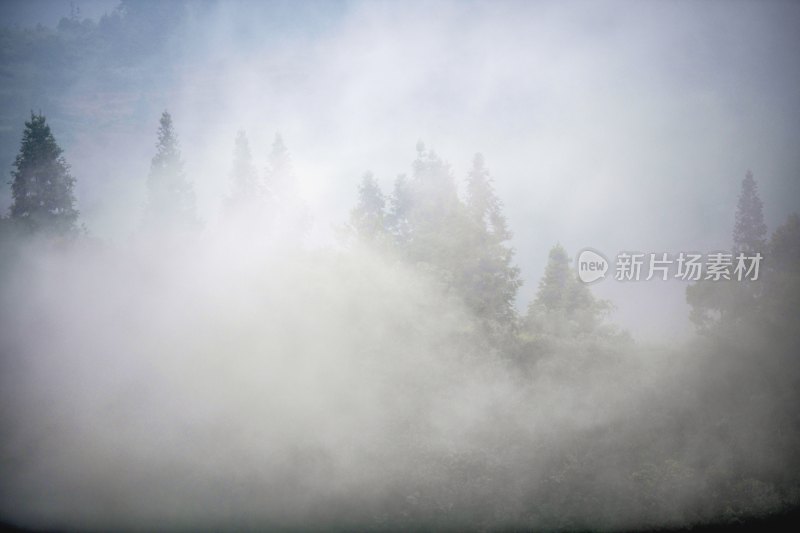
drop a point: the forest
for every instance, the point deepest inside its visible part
(210, 367)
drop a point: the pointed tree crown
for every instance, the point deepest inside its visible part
(749, 231)
(482, 202)
(279, 175)
(368, 218)
(42, 186)
(244, 177)
(171, 200)
(554, 284)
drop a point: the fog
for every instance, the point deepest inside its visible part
(291, 370)
(237, 385)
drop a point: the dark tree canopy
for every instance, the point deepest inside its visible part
(778, 304)
(719, 305)
(42, 186)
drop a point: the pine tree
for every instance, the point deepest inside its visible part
(246, 208)
(563, 305)
(368, 218)
(279, 176)
(492, 281)
(464, 245)
(42, 188)
(716, 305)
(435, 216)
(749, 231)
(555, 283)
(780, 302)
(244, 177)
(171, 202)
(483, 204)
(434, 194)
(289, 213)
(399, 209)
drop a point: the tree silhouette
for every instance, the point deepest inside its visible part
(749, 230)
(368, 218)
(492, 279)
(171, 201)
(463, 245)
(726, 303)
(244, 177)
(564, 307)
(42, 188)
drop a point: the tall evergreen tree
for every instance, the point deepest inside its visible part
(279, 175)
(780, 301)
(435, 215)
(434, 194)
(465, 245)
(368, 218)
(247, 207)
(398, 211)
(717, 305)
(42, 186)
(749, 230)
(289, 213)
(556, 282)
(171, 201)
(492, 279)
(244, 177)
(563, 305)
(483, 204)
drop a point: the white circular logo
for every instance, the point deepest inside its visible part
(592, 266)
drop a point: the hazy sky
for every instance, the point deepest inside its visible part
(621, 126)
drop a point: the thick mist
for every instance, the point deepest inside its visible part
(344, 319)
(226, 383)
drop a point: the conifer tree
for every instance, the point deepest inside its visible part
(749, 230)
(368, 218)
(721, 304)
(492, 279)
(42, 186)
(171, 201)
(246, 207)
(244, 177)
(435, 216)
(556, 281)
(289, 214)
(279, 175)
(464, 244)
(564, 306)
(482, 203)
(398, 211)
